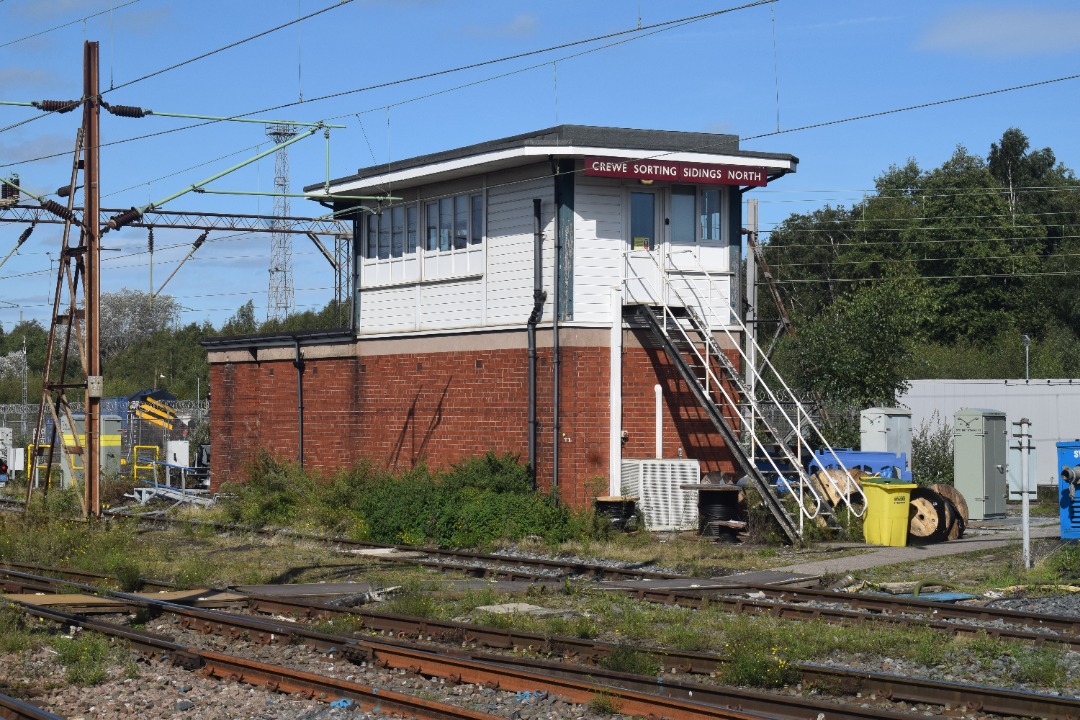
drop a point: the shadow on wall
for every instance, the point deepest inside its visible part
(409, 429)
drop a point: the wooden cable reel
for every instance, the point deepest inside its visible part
(934, 517)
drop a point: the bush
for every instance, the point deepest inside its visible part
(932, 452)
(474, 503)
(273, 494)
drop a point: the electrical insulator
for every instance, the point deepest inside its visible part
(59, 106)
(129, 111)
(25, 235)
(201, 239)
(57, 209)
(9, 190)
(125, 218)
(150, 240)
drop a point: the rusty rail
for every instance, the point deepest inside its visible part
(12, 709)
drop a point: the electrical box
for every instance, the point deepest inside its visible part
(884, 429)
(178, 452)
(111, 449)
(1068, 455)
(980, 444)
(658, 486)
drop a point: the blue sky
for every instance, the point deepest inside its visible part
(750, 71)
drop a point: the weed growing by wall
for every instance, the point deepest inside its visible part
(474, 503)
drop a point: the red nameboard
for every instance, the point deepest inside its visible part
(680, 172)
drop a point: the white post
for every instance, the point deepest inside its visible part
(1025, 502)
(659, 392)
(615, 395)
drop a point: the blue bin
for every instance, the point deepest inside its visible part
(885, 464)
(1069, 488)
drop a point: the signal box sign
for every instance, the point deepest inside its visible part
(673, 171)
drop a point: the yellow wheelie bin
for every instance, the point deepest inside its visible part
(886, 519)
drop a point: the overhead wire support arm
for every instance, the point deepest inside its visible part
(194, 246)
(48, 205)
(131, 111)
(126, 218)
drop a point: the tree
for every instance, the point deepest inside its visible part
(129, 316)
(243, 322)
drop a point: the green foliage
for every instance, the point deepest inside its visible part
(932, 452)
(84, 656)
(15, 636)
(472, 504)
(272, 494)
(935, 274)
(628, 660)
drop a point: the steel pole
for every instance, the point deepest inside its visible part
(91, 230)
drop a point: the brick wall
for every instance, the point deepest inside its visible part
(402, 409)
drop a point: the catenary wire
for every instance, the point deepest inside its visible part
(67, 24)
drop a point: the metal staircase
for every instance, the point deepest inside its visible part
(769, 431)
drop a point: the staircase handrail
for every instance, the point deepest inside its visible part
(800, 493)
(800, 409)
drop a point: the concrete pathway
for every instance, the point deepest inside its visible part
(982, 536)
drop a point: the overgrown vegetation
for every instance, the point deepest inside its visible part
(932, 452)
(936, 274)
(474, 503)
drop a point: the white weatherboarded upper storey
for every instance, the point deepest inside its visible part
(452, 247)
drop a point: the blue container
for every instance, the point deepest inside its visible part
(885, 464)
(1068, 453)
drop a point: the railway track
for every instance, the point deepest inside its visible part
(12, 709)
(396, 653)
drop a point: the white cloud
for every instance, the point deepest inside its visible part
(1004, 33)
(523, 25)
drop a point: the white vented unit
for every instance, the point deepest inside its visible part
(657, 484)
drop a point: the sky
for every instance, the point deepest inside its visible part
(768, 73)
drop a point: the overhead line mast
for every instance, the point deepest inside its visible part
(280, 301)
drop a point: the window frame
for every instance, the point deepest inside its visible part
(451, 223)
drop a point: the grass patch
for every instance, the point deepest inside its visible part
(85, 657)
(628, 660)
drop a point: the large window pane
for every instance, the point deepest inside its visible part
(461, 222)
(477, 236)
(642, 221)
(384, 235)
(371, 242)
(683, 228)
(432, 227)
(410, 230)
(710, 214)
(446, 222)
(397, 231)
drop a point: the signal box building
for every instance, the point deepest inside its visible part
(502, 301)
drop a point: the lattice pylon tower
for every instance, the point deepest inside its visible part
(280, 296)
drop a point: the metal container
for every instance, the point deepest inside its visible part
(1069, 488)
(980, 444)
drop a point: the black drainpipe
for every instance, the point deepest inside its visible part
(298, 363)
(539, 296)
(556, 426)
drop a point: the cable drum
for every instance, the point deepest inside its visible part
(716, 507)
(931, 518)
(619, 511)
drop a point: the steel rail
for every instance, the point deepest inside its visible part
(397, 653)
(979, 697)
(915, 606)
(13, 709)
(575, 568)
(454, 669)
(77, 575)
(793, 611)
(279, 679)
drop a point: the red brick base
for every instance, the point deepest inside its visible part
(400, 410)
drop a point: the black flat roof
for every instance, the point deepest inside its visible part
(579, 136)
